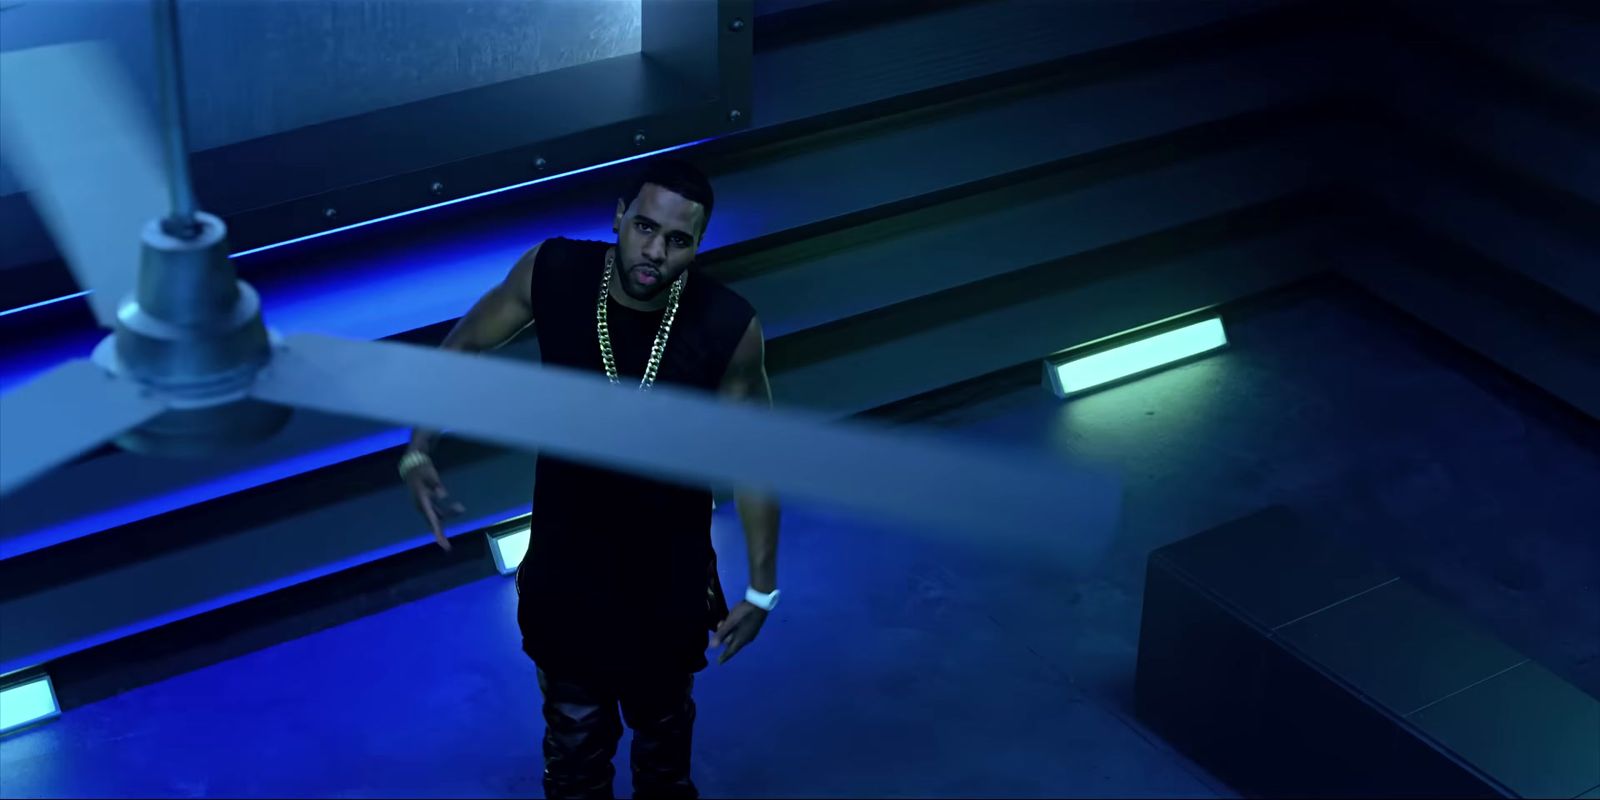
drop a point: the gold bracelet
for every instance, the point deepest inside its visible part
(411, 460)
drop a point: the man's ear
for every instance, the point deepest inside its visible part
(616, 221)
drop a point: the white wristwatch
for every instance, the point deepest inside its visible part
(761, 600)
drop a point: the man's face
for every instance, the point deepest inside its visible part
(657, 237)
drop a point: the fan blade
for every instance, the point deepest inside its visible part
(62, 414)
(1011, 499)
(74, 135)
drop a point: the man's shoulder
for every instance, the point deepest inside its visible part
(722, 300)
(566, 246)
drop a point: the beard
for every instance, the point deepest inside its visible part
(637, 282)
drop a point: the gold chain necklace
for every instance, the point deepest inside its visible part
(657, 350)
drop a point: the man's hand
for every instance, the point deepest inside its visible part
(739, 629)
(432, 500)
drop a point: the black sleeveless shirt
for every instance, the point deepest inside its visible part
(615, 578)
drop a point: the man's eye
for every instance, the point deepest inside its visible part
(643, 228)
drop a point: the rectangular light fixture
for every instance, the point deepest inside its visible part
(27, 702)
(1072, 373)
(509, 546)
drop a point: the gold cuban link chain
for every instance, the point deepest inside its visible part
(657, 350)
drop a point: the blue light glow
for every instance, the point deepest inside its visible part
(25, 703)
(364, 223)
(42, 304)
(88, 524)
(424, 539)
(509, 549)
(21, 365)
(1073, 375)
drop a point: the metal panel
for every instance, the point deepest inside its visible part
(1551, 42)
(1409, 180)
(874, 166)
(1489, 310)
(317, 61)
(946, 45)
(951, 247)
(480, 125)
(947, 339)
(1499, 123)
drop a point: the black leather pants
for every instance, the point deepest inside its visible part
(582, 729)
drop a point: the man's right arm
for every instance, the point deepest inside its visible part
(498, 316)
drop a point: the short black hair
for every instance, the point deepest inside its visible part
(678, 177)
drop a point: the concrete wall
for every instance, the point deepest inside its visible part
(255, 67)
(1481, 144)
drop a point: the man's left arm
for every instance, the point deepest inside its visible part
(746, 382)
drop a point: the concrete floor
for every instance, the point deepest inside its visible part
(899, 667)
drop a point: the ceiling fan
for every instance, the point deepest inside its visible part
(190, 368)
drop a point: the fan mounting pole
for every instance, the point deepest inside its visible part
(180, 223)
(194, 333)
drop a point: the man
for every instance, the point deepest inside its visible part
(618, 589)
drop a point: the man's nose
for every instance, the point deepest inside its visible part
(655, 251)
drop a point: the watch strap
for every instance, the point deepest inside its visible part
(765, 601)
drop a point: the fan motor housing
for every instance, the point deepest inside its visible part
(193, 334)
(192, 329)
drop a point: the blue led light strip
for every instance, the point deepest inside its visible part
(195, 494)
(354, 225)
(212, 604)
(43, 303)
